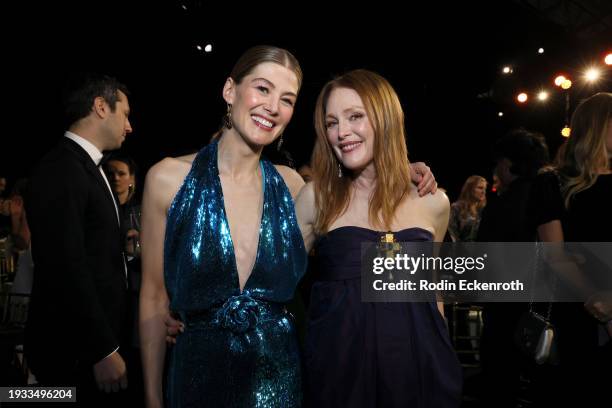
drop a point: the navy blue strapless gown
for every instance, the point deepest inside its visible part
(239, 349)
(373, 354)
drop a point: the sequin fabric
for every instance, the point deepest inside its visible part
(238, 349)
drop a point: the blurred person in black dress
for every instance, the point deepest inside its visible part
(519, 156)
(573, 205)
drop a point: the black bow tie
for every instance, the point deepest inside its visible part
(105, 158)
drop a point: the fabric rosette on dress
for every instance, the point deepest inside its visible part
(239, 313)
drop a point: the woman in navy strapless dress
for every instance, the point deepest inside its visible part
(360, 354)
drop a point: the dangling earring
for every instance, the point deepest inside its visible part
(339, 170)
(227, 119)
(280, 142)
(130, 191)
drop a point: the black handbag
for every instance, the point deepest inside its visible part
(535, 337)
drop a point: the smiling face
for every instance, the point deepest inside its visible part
(262, 103)
(349, 131)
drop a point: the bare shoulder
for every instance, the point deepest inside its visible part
(166, 171)
(436, 204)
(292, 179)
(164, 178)
(189, 158)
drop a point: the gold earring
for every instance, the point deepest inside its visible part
(227, 119)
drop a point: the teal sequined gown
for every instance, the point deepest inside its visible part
(238, 349)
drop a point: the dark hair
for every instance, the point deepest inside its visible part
(82, 89)
(20, 187)
(278, 156)
(124, 158)
(526, 150)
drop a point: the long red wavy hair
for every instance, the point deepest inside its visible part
(384, 111)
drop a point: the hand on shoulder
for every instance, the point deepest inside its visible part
(434, 203)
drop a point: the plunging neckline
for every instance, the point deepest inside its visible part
(236, 276)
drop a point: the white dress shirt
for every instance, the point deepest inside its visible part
(96, 156)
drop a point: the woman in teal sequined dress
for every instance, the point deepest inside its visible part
(221, 248)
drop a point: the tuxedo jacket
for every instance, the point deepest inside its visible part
(78, 307)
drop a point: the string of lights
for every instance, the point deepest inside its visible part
(563, 82)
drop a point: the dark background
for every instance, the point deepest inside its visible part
(444, 60)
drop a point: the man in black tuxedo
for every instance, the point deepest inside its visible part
(77, 313)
